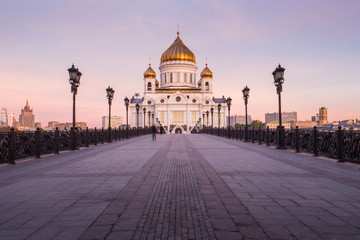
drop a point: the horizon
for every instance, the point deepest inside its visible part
(111, 43)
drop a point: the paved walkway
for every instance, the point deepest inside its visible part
(179, 187)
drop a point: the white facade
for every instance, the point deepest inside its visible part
(178, 100)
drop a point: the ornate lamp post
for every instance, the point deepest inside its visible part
(212, 118)
(137, 115)
(110, 95)
(228, 102)
(219, 109)
(149, 120)
(246, 97)
(207, 118)
(203, 121)
(144, 116)
(126, 100)
(74, 79)
(278, 75)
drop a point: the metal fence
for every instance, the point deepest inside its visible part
(339, 144)
(21, 144)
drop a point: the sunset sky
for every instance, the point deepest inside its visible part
(111, 41)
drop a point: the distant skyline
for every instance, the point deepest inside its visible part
(111, 41)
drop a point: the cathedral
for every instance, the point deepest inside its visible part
(176, 100)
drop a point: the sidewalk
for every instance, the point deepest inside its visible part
(180, 187)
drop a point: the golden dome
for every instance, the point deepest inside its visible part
(199, 83)
(206, 73)
(149, 73)
(156, 83)
(178, 51)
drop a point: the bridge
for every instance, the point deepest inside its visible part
(179, 187)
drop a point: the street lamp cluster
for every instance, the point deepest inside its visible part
(278, 75)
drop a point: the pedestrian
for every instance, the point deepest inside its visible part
(170, 130)
(153, 131)
(161, 129)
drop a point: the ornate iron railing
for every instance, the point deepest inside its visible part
(339, 144)
(20, 144)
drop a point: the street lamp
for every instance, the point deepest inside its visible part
(278, 75)
(212, 118)
(110, 95)
(246, 97)
(126, 100)
(219, 109)
(144, 116)
(228, 102)
(74, 79)
(137, 115)
(207, 118)
(149, 115)
(203, 121)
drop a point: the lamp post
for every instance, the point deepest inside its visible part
(207, 118)
(278, 75)
(246, 97)
(126, 100)
(228, 102)
(212, 118)
(149, 120)
(203, 121)
(219, 109)
(137, 115)
(144, 116)
(74, 79)
(110, 95)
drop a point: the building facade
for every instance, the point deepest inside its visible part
(178, 100)
(4, 117)
(115, 122)
(27, 118)
(323, 116)
(239, 119)
(286, 116)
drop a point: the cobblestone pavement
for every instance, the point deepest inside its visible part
(179, 187)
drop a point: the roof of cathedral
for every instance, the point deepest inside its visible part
(178, 51)
(206, 72)
(149, 73)
(219, 100)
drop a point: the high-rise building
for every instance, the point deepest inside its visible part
(285, 116)
(323, 116)
(116, 121)
(12, 120)
(4, 117)
(27, 118)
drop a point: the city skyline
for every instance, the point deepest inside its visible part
(111, 42)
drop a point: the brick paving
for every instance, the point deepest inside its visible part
(180, 187)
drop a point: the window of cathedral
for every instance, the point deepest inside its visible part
(171, 77)
(178, 77)
(149, 102)
(162, 100)
(207, 86)
(194, 100)
(191, 78)
(207, 102)
(149, 86)
(178, 99)
(185, 77)
(165, 77)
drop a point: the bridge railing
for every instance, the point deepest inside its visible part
(343, 145)
(21, 144)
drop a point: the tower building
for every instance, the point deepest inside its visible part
(27, 118)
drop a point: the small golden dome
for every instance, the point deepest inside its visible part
(178, 51)
(156, 83)
(206, 73)
(149, 73)
(199, 83)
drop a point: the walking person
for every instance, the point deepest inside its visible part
(153, 131)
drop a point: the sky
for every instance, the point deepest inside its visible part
(111, 41)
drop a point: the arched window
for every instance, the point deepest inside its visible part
(171, 77)
(191, 78)
(149, 86)
(207, 86)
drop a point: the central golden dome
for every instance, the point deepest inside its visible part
(178, 51)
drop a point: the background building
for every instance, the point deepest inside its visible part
(4, 117)
(275, 124)
(38, 125)
(27, 118)
(12, 120)
(303, 124)
(323, 116)
(238, 119)
(116, 121)
(286, 116)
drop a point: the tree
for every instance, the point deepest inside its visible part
(257, 124)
